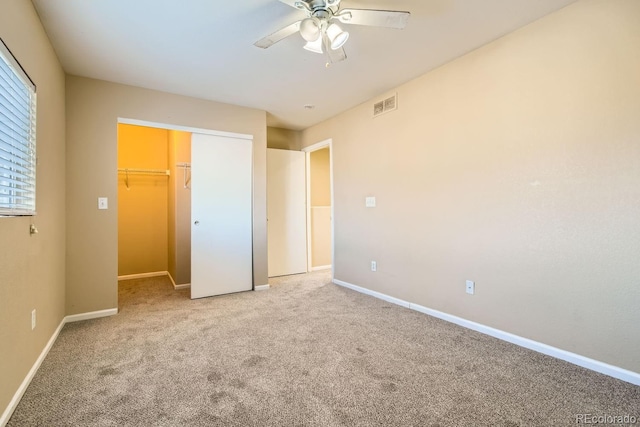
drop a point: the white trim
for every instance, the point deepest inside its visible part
(567, 356)
(4, 419)
(91, 315)
(261, 287)
(318, 146)
(144, 275)
(32, 372)
(372, 293)
(307, 167)
(173, 282)
(321, 267)
(177, 287)
(136, 122)
(156, 274)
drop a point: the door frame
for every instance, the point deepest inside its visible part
(149, 124)
(308, 150)
(191, 129)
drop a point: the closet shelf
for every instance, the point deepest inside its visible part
(144, 171)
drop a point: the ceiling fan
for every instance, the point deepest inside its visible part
(320, 28)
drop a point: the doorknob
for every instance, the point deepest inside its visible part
(196, 223)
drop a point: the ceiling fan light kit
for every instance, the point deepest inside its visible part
(314, 46)
(321, 31)
(337, 37)
(310, 29)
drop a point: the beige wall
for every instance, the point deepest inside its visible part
(179, 208)
(517, 166)
(93, 109)
(320, 186)
(142, 204)
(283, 139)
(320, 236)
(32, 269)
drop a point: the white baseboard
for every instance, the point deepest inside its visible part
(156, 274)
(176, 287)
(576, 359)
(91, 315)
(261, 287)
(173, 282)
(321, 267)
(144, 275)
(4, 419)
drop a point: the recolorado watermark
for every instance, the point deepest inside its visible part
(605, 419)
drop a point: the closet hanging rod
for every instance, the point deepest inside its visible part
(183, 165)
(145, 171)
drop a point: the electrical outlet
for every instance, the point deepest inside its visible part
(370, 202)
(33, 319)
(471, 287)
(374, 266)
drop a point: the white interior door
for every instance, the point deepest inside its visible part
(286, 212)
(221, 215)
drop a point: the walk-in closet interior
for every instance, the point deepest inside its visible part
(154, 203)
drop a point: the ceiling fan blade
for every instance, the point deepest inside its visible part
(295, 4)
(376, 18)
(282, 33)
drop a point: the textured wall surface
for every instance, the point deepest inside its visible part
(93, 110)
(516, 166)
(32, 268)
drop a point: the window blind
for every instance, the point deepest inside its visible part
(17, 138)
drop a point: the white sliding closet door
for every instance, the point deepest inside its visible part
(221, 215)
(286, 212)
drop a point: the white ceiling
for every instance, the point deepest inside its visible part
(204, 48)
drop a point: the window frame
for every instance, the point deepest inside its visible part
(17, 137)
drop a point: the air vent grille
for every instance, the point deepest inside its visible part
(386, 105)
(378, 108)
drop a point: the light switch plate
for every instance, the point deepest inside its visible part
(103, 203)
(370, 202)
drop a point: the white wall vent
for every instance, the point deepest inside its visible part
(386, 105)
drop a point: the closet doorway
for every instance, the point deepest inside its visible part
(319, 166)
(153, 211)
(155, 225)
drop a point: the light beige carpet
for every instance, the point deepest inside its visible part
(305, 352)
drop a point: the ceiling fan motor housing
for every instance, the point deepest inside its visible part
(314, 6)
